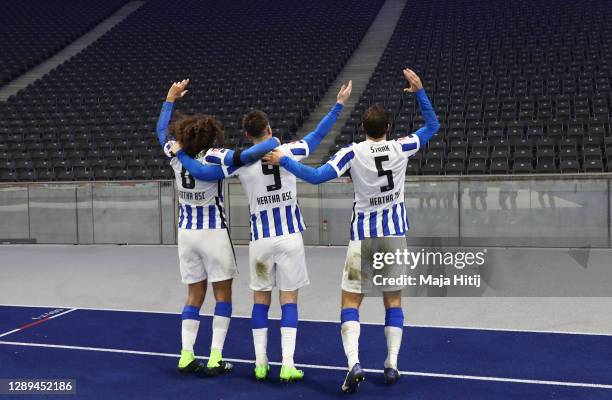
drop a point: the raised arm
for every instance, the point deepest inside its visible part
(314, 138)
(177, 90)
(163, 122)
(431, 121)
(309, 174)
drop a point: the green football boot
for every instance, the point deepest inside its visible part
(261, 372)
(189, 365)
(216, 365)
(290, 374)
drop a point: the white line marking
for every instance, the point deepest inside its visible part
(327, 367)
(9, 332)
(63, 313)
(51, 317)
(337, 321)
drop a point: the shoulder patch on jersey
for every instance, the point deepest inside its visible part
(345, 159)
(167, 147)
(213, 159)
(407, 137)
(408, 142)
(232, 169)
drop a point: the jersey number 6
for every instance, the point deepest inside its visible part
(187, 180)
(383, 172)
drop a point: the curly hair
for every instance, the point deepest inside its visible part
(197, 133)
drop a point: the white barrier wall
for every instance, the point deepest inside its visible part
(535, 211)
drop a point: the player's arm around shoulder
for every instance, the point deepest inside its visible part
(217, 155)
(311, 175)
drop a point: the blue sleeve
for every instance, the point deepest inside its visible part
(431, 121)
(314, 138)
(199, 170)
(251, 154)
(311, 175)
(163, 122)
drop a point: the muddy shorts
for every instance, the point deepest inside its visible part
(365, 269)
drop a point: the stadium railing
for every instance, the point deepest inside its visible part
(570, 210)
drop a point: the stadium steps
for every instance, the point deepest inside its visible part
(359, 68)
(71, 50)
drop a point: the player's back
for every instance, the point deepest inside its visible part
(378, 171)
(272, 194)
(200, 202)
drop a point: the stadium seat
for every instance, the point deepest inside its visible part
(77, 116)
(484, 85)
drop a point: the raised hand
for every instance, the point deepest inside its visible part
(413, 79)
(177, 90)
(345, 93)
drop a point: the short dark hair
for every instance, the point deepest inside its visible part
(196, 133)
(255, 123)
(375, 122)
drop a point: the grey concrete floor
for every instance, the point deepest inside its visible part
(147, 278)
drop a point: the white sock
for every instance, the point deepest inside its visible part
(288, 345)
(260, 340)
(189, 332)
(394, 341)
(350, 340)
(219, 327)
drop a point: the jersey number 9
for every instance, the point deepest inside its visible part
(272, 170)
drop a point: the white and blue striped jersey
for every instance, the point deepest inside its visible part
(272, 194)
(378, 171)
(200, 202)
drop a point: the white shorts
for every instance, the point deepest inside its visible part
(359, 272)
(278, 261)
(206, 254)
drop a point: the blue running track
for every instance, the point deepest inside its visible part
(128, 355)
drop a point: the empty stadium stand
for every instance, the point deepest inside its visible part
(33, 30)
(519, 87)
(93, 117)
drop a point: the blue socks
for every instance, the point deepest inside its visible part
(288, 323)
(191, 312)
(223, 309)
(189, 331)
(394, 316)
(220, 325)
(289, 315)
(350, 331)
(259, 325)
(259, 316)
(349, 314)
(394, 328)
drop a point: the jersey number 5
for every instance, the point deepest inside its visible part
(187, 180)
(272, 170)
(383, 172)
